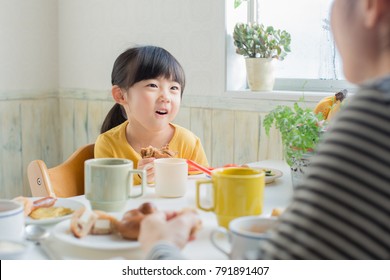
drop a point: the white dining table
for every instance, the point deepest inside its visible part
(277, 194)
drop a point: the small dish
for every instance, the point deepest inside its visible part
(271, 178)
(13, 249)
(61, 202)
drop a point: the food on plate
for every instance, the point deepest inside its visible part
(105, 224)
(276, 212)
(30, 206)
(50, 212)
(96, 222)
(269, 172)
(151, 151)
(197, 226)
(147, 208)
(82, 222)
(129, 226)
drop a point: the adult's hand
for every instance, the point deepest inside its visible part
(170, 227)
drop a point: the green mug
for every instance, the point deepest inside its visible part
(109, 183)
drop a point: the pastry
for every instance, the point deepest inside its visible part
(151, 151)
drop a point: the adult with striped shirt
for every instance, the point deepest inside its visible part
(341, 210)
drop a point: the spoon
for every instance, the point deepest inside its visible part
(36, 233)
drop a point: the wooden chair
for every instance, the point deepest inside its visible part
(64, 180)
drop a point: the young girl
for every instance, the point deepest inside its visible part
(147, 86)
(341, 209)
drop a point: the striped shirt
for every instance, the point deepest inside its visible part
(342, 208)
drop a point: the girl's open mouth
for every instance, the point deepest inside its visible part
(161, 112)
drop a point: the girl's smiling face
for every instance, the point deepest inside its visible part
(153, 103)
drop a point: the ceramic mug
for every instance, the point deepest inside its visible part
(11, 220)
(245, 236)
(170, 176)
(236, 191)
(109, 183)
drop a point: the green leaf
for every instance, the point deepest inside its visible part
(256, 40)
(298, 126)
(237, 3)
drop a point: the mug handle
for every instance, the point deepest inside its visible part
(213, 235)
(142, 172)
(198, 184)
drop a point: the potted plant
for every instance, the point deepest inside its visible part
(300, 130)
(260, 45)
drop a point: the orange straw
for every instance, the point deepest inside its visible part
(199, 167)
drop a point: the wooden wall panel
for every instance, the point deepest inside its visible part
(3, 112)
(51, 129)
(246, 136)
(222, 142)
(95, 119)
(11, 139)
(183, 118)
(33, 131)
(80, 123)
(67, 126)
(201, 125)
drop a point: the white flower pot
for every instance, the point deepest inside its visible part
(260, 73)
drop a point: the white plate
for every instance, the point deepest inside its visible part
(61, 202)
(101, 242)
(13, 249)
(269, 179)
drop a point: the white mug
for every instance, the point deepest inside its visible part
(109, 183)
(11, 220)
(170, 176)
(245, 236)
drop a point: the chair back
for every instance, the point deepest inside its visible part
(64, 180)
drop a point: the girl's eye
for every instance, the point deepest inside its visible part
(152, 85)
(175, 88)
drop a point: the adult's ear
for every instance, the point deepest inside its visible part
(118, 95)
(374, 10)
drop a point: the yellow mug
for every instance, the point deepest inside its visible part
(237, 192)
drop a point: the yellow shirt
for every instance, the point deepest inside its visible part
(328, 106)
(113, 144)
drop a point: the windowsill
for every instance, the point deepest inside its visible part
(246, 100)
(281, 95)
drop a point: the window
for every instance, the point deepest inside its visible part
(313, 63)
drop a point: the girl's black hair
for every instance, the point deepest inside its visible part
(137, 64)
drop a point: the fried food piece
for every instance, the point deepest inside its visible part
(105, 224)
(151, 151)
(30, 206)
(82, 222)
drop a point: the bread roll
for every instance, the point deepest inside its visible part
(129, 226)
